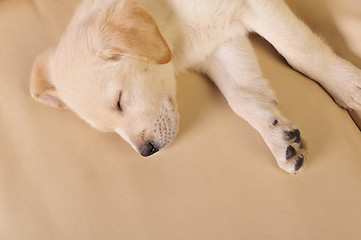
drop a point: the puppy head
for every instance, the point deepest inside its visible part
(112, 67)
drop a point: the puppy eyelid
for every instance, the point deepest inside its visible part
(119, 106)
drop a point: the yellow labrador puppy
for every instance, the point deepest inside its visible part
(115, 66)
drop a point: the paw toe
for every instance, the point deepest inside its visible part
(294, 134)
(299, 162)
(290, 152)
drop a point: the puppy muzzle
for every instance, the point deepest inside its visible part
(148, 149)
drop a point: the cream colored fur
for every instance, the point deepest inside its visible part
(130, 52)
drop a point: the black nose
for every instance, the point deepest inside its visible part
(148, 149)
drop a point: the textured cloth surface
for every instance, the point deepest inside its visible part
(60, 179)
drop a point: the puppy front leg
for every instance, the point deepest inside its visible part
(234, 69)
(305, 51)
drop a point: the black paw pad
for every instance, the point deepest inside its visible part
(299, 162)
(275, 122)
(290, 152)
(294, 134)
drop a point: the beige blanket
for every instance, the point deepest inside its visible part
(60, 179)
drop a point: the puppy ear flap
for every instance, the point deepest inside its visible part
(41, 88)
(129, 30)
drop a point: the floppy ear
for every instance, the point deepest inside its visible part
(41, 88)
(129, 30)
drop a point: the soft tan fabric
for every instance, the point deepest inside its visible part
(60, 179)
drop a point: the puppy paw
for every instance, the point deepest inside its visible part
(348, 95)
(294, 153)
(346, 89)
(287, 147)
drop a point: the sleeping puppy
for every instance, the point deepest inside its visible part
(115, 66)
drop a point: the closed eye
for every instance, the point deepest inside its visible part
(119, 105)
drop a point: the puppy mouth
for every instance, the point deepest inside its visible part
(160, 134)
